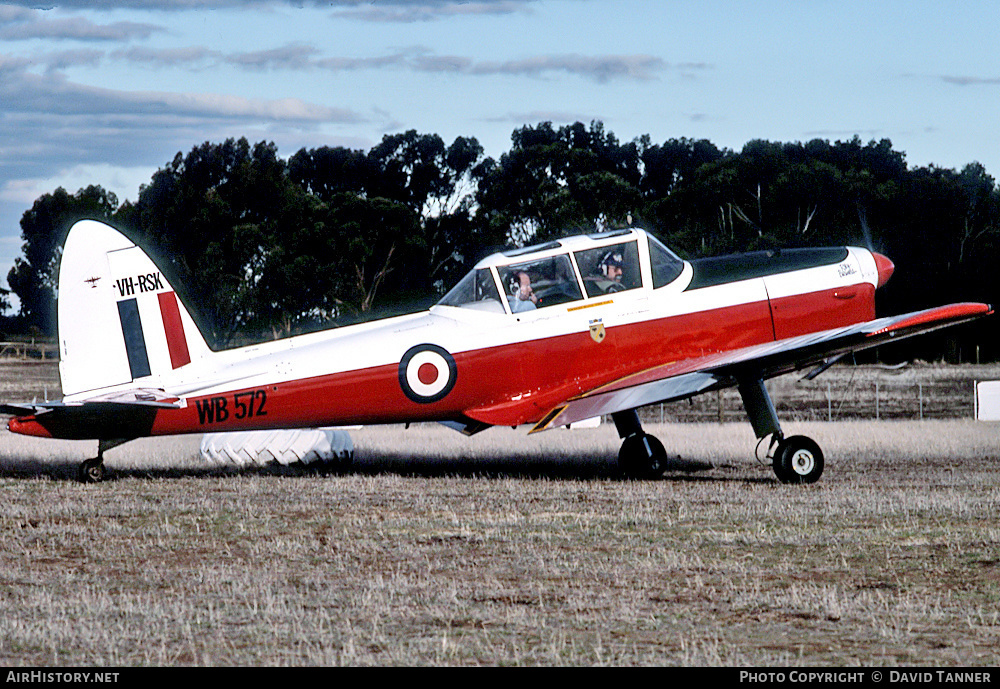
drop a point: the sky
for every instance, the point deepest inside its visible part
(108, 91)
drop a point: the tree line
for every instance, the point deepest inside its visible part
(260, 246)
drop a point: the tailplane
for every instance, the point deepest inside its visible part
(120, 321)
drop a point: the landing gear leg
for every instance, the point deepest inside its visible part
(641, 456)
(92, 470)
(797, 459)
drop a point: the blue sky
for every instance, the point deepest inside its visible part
(105, 92)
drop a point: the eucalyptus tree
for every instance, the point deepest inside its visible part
(34, 278)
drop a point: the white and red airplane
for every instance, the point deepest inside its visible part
(547, 335)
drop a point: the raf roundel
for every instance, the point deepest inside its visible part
(427, 373)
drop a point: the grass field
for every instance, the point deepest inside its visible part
(504, 549)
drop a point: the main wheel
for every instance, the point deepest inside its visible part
(798, 460)
(91, 471)
(642, 456)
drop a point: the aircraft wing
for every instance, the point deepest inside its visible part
(684, 378)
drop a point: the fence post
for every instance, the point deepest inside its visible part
(829, 403)
(920, 389)
(876, 401)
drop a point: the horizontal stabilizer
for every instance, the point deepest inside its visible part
(143, 397)
(124, 414)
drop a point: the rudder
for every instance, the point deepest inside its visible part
(119, 319)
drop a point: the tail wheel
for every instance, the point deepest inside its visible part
(642, 456)
(91, 470)
(798, 460)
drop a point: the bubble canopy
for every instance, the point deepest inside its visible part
(566, 270)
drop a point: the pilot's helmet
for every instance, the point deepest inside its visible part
(612, 258)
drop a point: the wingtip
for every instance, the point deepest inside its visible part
(951, 314)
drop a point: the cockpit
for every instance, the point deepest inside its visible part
(574, 269)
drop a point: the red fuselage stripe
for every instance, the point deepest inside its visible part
(540, 374)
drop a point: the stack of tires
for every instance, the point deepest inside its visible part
(326, 448)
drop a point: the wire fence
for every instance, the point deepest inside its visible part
(28, 350)
(862, 393)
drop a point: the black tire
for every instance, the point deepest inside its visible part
(91, 471)
(642, 457)
(798, 460)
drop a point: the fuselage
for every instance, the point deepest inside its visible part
(477, 356)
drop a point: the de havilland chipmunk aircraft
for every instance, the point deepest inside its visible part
(547, 335)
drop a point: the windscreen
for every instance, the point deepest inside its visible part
(476, 287)
(664, 264)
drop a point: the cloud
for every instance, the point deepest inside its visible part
(24, 24)
(286, 110)
(24, 92)
(368, 10)
(191, 56)
(71, 58)
(124, 182)
(50, 61)
(10, 13)
(52, 123)
(337, 64)
(301, 56)
(411, 11)
(75, 28)
(12, 65)
(441, 63)
(955, 79)
(292, 56)
(599, 68)
(163, 5)
(970, 81)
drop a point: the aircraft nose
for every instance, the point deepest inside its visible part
(884, 267)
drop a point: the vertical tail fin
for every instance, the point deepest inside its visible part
(119, 319)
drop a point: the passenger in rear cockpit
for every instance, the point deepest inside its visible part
(521, 298)
(612, 266)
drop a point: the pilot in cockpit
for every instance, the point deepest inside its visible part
(522, 297)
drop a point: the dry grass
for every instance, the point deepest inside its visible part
(507, 550)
